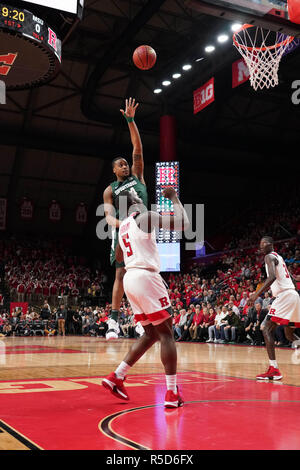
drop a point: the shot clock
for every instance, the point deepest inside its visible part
(168, 241)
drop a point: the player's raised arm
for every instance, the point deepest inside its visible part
(109, 209)
(271, 262)
(137, 168)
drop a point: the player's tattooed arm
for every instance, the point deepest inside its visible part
(137, 168)
(119, 254)
(271, 262)
(109, 209)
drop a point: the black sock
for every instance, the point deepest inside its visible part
(114, 315)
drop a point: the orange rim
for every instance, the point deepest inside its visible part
(285, 42)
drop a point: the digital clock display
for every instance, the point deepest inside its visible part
(168, 241)
(29, 25)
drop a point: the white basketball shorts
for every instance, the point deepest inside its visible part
(286, 308)
(148, 296)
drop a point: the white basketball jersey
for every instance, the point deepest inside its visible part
(139, 248)
(283, 279)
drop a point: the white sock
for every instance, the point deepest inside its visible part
(273, 364)
(122, 370)
(171, 383)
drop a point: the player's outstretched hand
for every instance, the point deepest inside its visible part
(169, 192)
(130, 107)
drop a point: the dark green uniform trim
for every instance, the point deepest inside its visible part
(132, 183)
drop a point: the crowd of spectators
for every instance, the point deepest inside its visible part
(36, 269)
(62, 321)
(210, 303)
(281, 218)
(209, 300)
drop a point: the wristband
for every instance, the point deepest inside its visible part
(128, 119)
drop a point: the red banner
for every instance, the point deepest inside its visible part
(22, 305)
(240, 73)
(204, 95)
(26, 209)
(81, 213)
(55, 211)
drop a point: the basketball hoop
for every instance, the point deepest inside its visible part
(262, 51)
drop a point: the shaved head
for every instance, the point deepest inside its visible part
(268, 239)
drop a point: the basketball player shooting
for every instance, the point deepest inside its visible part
(136, 184)
(285, 310)
(146, 290)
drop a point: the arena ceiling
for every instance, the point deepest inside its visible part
(57, 141)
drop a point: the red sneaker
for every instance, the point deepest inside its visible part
(115, 386)
(271, 374)
(172, 400)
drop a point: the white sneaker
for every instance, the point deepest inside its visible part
(295, 344)
(209, 340)
(216, 340)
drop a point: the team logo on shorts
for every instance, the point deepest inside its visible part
(164, 302)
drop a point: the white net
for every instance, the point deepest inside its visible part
(262, 51)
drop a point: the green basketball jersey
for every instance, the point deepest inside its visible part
(132, 184)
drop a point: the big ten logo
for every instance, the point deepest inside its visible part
(167, 175)
(296, 95)
(204, 95)
(207, 93)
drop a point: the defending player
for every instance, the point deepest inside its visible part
(285, 310)
(125, 181)
(147, 292)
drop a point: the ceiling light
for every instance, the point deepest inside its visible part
(236, 27)
(166, 83)
(209, 48)
(176, 75)
(186, 67)
(222, 38)
(157, 90)
(200, 58)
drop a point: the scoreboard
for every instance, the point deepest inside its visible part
(167, 174)
(29, 26)
(31, 38)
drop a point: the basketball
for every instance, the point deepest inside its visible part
(144, 57)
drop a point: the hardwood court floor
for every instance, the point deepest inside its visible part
(222, 397)
(71, 356)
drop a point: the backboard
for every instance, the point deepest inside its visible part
(269, 14)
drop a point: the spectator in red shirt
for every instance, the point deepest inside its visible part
(208, 321)
(197, 321)
(200, 332)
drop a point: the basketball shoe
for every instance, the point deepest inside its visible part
(173, 400)
(271, 374)
(115, 386)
